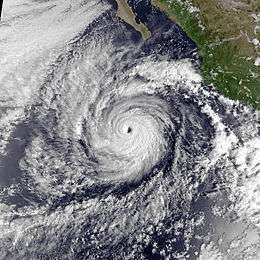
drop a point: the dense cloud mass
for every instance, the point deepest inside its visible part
(110, 145)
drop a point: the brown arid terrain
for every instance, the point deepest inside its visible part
(227, 34)
(125, 13)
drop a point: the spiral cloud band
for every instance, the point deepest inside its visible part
(123, 139)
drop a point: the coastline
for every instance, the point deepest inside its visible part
(228, 63)
(125, 12)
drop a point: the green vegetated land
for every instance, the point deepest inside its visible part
(226, 36)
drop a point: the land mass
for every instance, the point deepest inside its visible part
(227, 35)
(125, 12)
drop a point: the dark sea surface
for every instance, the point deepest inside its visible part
(76, 185)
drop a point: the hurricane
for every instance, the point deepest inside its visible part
(123, 139)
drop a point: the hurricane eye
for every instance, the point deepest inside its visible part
(120, 149)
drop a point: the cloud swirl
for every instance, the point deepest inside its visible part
(122, 138)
